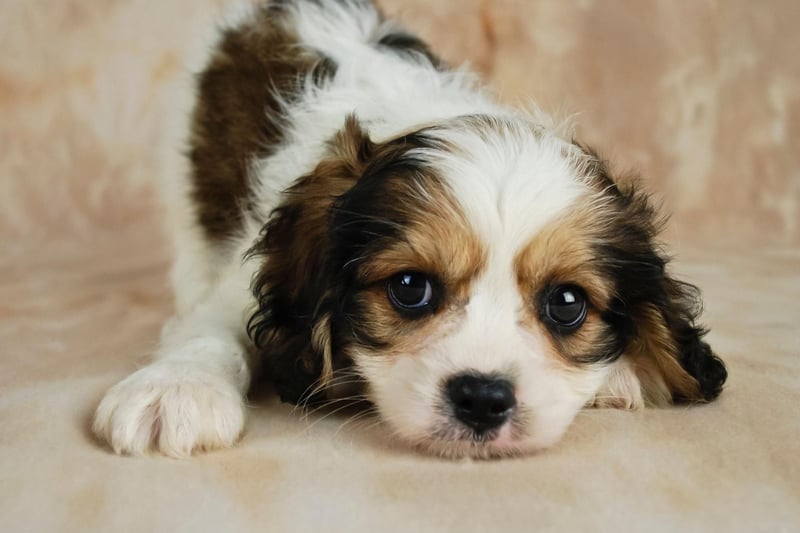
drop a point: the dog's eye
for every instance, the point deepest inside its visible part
(410, 291)
(566, 307)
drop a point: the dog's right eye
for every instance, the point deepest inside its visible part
(410, 292)
(565, 307)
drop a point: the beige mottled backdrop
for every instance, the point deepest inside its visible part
(702, 97)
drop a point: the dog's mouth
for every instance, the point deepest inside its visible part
(453, 439)
(459, 445)
(457, 432)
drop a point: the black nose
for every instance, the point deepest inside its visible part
(481, 402)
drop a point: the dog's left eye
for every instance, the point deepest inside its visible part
(410, 291)
(565, 307)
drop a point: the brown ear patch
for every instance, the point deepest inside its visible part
(291, 325)
(654, 355)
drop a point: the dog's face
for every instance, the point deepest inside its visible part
(486, 278)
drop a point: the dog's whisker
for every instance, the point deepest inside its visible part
(319, 386)
(365, 414)
(341, 383)
(326, 404)
(366, 423)
(328, 415)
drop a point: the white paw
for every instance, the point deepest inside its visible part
(175, 408)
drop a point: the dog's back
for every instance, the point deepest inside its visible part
(279, 85)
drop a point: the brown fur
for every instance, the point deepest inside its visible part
(448, 252)
(561, 254)
(655, 355)
(237, 117)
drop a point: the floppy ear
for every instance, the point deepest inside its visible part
(291, 325)
(665, 359)
(668, 354)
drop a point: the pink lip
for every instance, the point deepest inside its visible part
(504, 438)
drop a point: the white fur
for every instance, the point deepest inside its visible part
(509, 185)
(192, 396)
(510, 182)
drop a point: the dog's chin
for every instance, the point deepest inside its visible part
(456, 442)
(471, 448)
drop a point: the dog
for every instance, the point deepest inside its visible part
(352, 206)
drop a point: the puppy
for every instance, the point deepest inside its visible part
(352, 206)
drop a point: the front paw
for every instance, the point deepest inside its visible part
(171, 407)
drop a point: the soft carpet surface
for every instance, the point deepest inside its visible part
(703, 98)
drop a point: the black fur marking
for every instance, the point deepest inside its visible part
(407, 43)
(695, 355)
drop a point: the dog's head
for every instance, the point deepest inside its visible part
(486, 279)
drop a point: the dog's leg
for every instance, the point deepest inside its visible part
(192, 396)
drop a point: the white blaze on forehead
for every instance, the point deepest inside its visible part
(510, 179)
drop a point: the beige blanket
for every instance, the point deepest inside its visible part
(702, 97)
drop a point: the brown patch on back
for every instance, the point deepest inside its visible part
(237, 114)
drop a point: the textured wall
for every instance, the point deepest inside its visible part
(702, 97)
